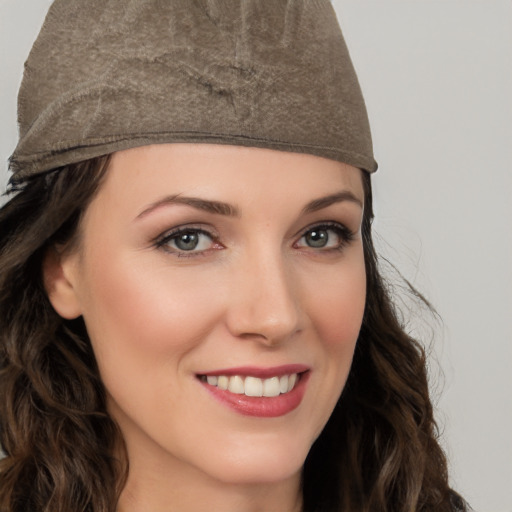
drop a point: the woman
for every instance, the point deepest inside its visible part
(191, 310)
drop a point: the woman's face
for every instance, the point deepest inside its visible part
(203, 267)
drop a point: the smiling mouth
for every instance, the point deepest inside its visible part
(261, 392)
(253, 386)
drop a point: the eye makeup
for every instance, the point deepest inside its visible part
(193, 240)
(318, 237)
(188, 241)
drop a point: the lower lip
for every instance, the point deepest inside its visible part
(263, 407)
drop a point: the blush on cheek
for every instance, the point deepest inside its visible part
(150, 306)
(339, 309)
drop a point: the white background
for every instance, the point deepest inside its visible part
(437, 76)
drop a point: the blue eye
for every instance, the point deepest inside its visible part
(326, 236)
(186, 240)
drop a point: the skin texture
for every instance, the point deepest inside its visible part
(254, 293)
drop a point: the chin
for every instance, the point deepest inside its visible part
(257, 464)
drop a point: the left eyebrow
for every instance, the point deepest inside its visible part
(324, 202)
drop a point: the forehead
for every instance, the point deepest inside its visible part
(245, 177)
(196, 165)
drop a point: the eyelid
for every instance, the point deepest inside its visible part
(328, 224)
(345, 233)
(161, 240)
(199, 227)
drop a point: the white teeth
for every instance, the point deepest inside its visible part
(223, 382)
(291, 381)
(212, 380)
(271, 387)
(253, 386)
(283, 384)
(236, 385)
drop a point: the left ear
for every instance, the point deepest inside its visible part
(58, 270)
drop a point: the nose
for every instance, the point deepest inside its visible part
(264, 302)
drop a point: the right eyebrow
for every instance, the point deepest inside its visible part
(216, 207)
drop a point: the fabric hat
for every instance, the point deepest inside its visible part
(107, 75)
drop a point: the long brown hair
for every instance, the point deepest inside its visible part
(378, 452)
(58, 439)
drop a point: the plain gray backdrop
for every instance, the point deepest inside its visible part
(437, 77)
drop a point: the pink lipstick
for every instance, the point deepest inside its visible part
(253, 391)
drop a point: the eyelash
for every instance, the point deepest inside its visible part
(163, 241)
(345, 236)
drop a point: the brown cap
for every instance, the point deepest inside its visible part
(107, 75)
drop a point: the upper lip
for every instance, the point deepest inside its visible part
(262, 373)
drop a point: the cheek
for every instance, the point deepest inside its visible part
(336, 301)
(335, 304)
(139, 313)
(144, 321)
